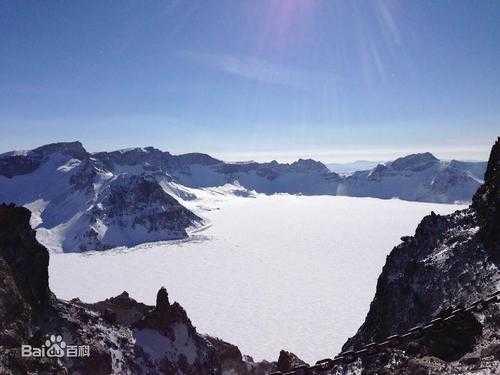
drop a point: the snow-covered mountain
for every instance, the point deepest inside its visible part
(78, 203)
(417, 177)
(83, 200)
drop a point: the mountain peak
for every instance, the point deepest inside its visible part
(142, 150)
(309, 165)
(74, 149)
(414, 162)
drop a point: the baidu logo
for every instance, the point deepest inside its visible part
(55, 347)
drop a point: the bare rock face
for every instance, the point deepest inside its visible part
(24, 291)
(27, 259)
(132, 210)
(162, 302)
(486, 203)
(287, 361)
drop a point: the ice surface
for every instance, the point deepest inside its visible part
(269, 273)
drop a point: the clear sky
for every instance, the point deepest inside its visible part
(333, 80)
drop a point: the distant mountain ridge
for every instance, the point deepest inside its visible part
(418, 177)
(94, 201)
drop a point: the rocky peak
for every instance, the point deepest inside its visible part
(415, 162)
(73, 149)
(124, 295)
(307, 165)
(162, 302)
(149, 157)
(164, 315)
(288, 360)
(143, 195)
(13, 163)
(139, 208)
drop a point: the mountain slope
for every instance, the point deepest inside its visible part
(417, 177)
(79, 204)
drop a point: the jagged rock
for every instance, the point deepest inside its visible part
(287, 361)
(162, 302)
(27, 259)
(131, 210)
(492, 350)
(486, 202)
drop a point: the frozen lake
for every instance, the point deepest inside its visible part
(269, 273)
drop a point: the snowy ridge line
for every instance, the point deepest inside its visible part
(395, 341)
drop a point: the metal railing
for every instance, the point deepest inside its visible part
(394, 341)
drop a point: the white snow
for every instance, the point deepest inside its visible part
(269, 273)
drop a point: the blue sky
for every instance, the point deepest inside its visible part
(332, 80)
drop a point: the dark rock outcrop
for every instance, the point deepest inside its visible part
(287, 361)
(486, 203)
(139, 209)
(26, 259)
